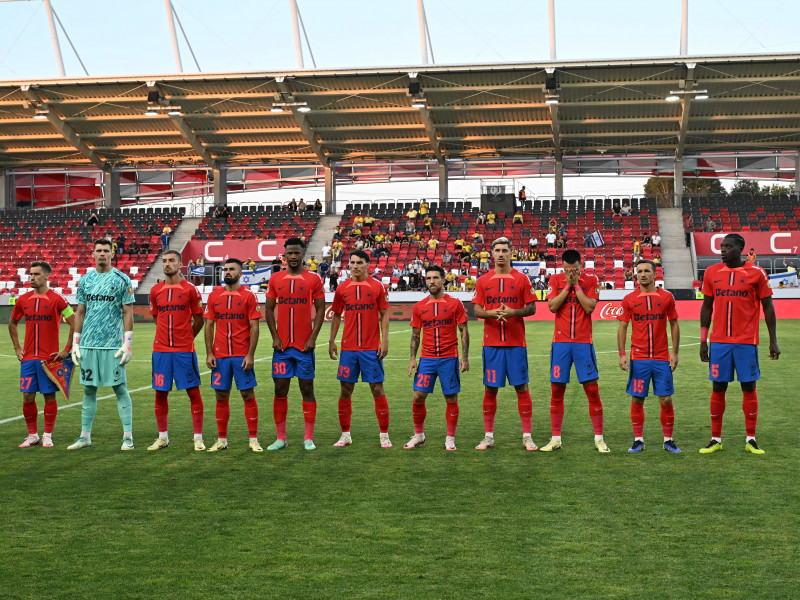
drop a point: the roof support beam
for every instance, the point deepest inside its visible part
(430, 130)
(64, 128)
(686, 107)
(305, 126)
(556, 126)
(186, 131)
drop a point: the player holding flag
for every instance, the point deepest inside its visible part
(177, 308)
(101, 344)
(734, 292)
(365, 343)
(297, 291)
(230, 350)
(572, 296)
(503, 298)
(438, 316)
(648, 309)
(42, 310)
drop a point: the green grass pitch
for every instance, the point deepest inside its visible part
(362, 522)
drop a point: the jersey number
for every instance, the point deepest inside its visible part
(25, 383)
(557, 371)
(491, 376)
(423, 380)
(344, 371)
(217, 378)
(86, 374)
(715, 370)
(279, 368)
(638, 386)
(159, 379)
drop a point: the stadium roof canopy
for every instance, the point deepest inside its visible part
(612, 107)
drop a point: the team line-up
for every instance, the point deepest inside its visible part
(101, 334)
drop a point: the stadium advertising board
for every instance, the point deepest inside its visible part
(220, 250)
(764, 242)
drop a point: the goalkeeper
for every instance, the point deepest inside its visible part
(101, 344)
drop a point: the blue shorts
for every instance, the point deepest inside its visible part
(446, 369)
(724, 358)
(32, 378)
(180, 366)
(641, 372)
(293, 363)
(505, 362)
(564, 354)
(230, 368)
(363, 362)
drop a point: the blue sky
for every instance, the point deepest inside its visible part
(131, 37)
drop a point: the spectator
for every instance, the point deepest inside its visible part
(396, 272)
(570, 245)
(616, 208)
(647, 241)
(412, 214)
(292, 206)
(469, 283)
(447, 258)
(656, 240)
(337, 233)
(637, 250)
(522, 196)
(484, 260)
(464, 268)
(587, 238)
(402, 286)
(626, 209)
(477, 239)
(411, 227)
(355, 231)
(433, 243)
(358, 221)
(359, 245)
(121, 239)
(312, 264)
(688, 228)
(324, 268)
(276, 264)
(552, 226)
(333, 280)
(791, 268)
(466, 251)
(459, 243)
(220, 212)
(491, 218)
(249, 265)
(427, 224)
(301, 207)
(391, 228)
(165, 235)
(523, 254)
(144, 247)
(709, 225)
(562, 230)
(450, 280)
(752, 256)
(369, 219)
(514, 254)
(533, 242)
(628, 273)
(326, 250)
(318, 206)
(551, 239)
(263, 285)
(133, 248)
(481, 220)
(92, 220)
(657, 260)
(421, 243)
(12, 299)
(423, 208)
(560, 241)
(414, 270)
(518, 217)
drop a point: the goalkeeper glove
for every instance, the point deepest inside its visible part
(124, 353)
(75, 352)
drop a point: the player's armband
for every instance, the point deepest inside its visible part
(67, 312)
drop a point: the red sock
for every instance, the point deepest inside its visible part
(280, 406)
(489, 409)
(419, 411)
(525, 406)
(345, 413)
(451, 415)
(557, 407)
(223, 415)
(637, 419)
(750, 408)
(717, 410)
(309, 417)
(667, 419)
(196, 405)
(382, 412)
(31, 414)
(50, 412)
(162, 409)
(595, 406)
(251, 415)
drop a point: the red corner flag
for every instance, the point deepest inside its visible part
(60, 373)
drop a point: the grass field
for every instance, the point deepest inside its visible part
(362, 522)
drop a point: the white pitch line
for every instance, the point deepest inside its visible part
(147, 387)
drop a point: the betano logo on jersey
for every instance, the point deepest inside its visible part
(100, 298)
(735, 293)
(231, 317)
(171, 308)
(649, 317)
(285, 300)
(359, 306)
(501, 299)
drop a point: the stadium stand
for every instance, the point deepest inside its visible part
(741, 213)
(64, 239)
(265, 222)
(607, 262)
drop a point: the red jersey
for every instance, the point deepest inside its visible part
(174, 305)
(649, 313)
(512, 289)
(737, 297)
(573, 324)
(233, 312)
(361, 301)
(295, 295)
(42, 317)
(439, 321)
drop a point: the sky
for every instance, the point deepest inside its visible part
(132, 37)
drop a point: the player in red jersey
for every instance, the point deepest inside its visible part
(230, 350)
(365, 343)
(572, 296)
(177, 308)
(734, 292)
(503, 298)
(42, 310)
(649, 308)
(300, 297)
(438, 316)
